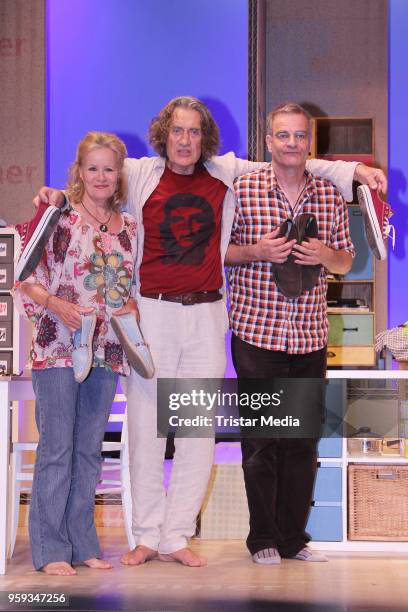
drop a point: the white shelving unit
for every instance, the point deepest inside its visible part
(360, 545)
(225, 512)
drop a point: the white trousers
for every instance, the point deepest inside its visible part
(185, 342)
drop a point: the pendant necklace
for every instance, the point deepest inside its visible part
(103, 227)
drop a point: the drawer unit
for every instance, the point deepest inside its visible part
(6, 308)
(15, 331)
(350, 356)
(6, 276)
(6, 248)
(351, 329)
(6, 335)
(328, 484)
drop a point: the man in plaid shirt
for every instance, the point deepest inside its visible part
(277, 336)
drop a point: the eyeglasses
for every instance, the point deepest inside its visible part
(285, 136)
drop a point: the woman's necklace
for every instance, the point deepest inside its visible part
(103, 224)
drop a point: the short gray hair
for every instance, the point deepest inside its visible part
(288, 108)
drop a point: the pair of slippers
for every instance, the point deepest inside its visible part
(292, 278)
(129, 335)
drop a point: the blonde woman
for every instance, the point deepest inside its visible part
(86, 273)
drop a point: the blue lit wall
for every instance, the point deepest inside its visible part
(398, 159)
(112, 64)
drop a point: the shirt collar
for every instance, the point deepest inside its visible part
(272, 181)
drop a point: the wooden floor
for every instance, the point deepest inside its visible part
(230, 581)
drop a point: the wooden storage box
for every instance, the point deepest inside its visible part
(378, 502)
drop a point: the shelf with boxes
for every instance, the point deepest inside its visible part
(374, 474)
(224, 514)
(12, 328)
(341, 510)
(351, 305)
(351, 298)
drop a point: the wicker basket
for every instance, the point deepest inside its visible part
(378, 502)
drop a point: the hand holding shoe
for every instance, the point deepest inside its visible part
(315, 252)
(273, 248)
(310, 253)
(130, 307)
(49, 195)
(68, 313)
(373, 177)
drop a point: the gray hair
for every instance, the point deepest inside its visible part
(288, 108)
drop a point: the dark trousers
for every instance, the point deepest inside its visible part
(279, 473)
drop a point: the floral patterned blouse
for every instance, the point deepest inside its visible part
(89, 268)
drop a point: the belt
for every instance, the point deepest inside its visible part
(187, 299)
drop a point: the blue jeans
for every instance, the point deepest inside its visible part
(71, 420)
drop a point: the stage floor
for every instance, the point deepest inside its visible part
(230, 581)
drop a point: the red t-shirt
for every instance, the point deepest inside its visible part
(182, 224)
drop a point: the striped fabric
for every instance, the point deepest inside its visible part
(260, 314)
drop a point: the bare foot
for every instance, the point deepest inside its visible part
(185, 556)
(95, 563)
(139, 555)
(58, 568)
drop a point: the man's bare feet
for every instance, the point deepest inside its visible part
(139, 555)
(185, 556)
(58, 568)
(95, 563)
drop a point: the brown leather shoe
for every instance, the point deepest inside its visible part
(307, 228)
(288, 275)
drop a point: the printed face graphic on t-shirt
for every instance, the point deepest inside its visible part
(186, 229)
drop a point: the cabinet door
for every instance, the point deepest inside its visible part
(325, 523)
(350, 356)
(6, 248)
(351, 329)
(6, 276)
(6, 308)
(327, 486)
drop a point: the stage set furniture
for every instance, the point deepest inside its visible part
(360, 499)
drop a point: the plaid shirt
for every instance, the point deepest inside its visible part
(260, 314)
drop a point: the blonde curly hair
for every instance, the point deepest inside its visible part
(91, 141)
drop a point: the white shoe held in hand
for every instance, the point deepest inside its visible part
(131, 338)
(82, 354)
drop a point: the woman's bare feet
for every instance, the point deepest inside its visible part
(139, 555)
(58, 568)
(185, 556)
(97, 563)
